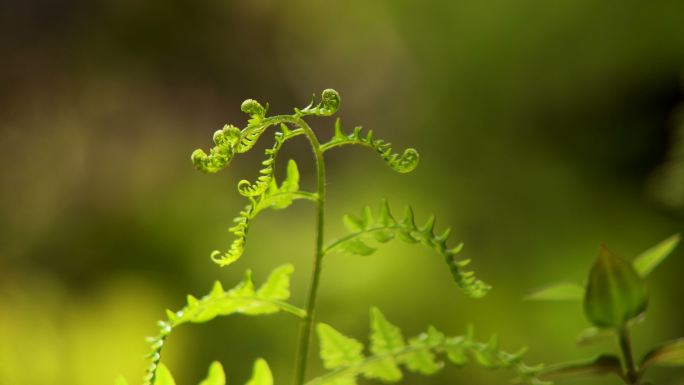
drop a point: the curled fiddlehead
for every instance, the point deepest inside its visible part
(403, 163)
(330, 102)
(220, 155)
(383, 228)
(244, 298)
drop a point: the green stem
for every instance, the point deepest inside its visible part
(307, 322)
(631, 375)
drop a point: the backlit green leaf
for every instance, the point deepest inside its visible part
(558, 292)
(668, 354)
(604, 364)
(593, 334)
(651, 258)
(385, 339)
(164, 376)
(216, 375)
(338, 350)
(261, 374)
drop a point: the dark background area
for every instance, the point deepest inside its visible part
(544, 130)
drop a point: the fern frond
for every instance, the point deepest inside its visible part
(330, 102)
(269, 298)
(403, 163)
(389, 352)
(275, 197)
(249, 189)
(384, 228)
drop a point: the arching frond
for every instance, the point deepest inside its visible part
(383, 228)
(244, 298)
(403, 163)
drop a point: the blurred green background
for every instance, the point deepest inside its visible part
(545, 128)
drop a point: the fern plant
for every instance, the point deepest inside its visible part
(615, 300)
(342, 356)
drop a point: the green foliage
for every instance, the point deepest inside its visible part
(330, 102)
(216, 375)
(651, 258)
(274, 197)
(644, 264)
(614, 299)
(261, 375)
(565, 291)
(221, 154)
(383, 228)
(404, 163)
(259, 187)
(389, 351)
(614, 295)
(269, 298)
(600, 365)
(668, 354)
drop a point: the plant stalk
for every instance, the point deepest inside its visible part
(307, 322)
(631, 375)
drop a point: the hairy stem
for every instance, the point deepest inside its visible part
(631, 374)
(307, 322)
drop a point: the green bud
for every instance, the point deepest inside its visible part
(615, 292)
(253, 108)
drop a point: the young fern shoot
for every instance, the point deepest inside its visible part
(342, 354)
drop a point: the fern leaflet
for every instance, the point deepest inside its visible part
(404, 163)
(275, 197)
(242, 299)
(261, 375)
(384, 228)
(389, 351)
(262, 183)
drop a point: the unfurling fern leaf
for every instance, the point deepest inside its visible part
(330, 102)
(220, 155)
(275, 197)
(403, 163)
(250, 189)
(261, 375)
(384, 228)
(242, 299)
(344, 355)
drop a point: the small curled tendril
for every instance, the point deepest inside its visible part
(239, 230)
(329, 104)
(220, 155)
(253, 108)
